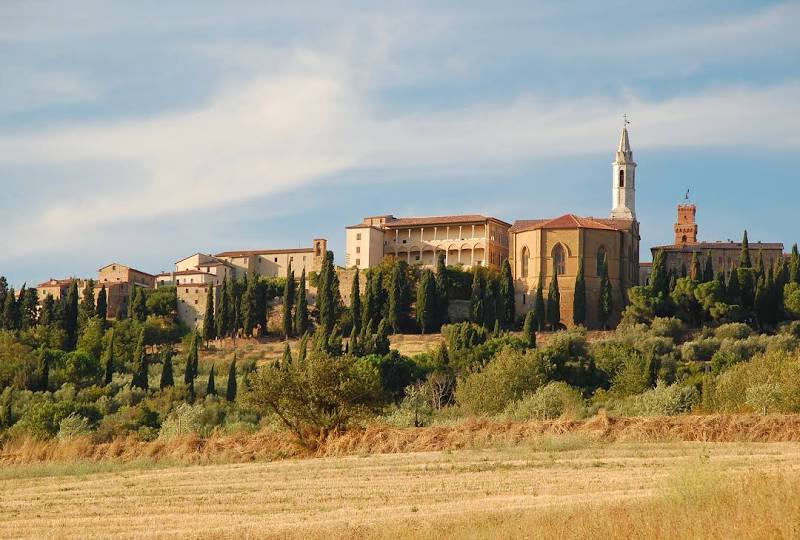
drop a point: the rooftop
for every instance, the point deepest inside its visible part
(570, 221)
(461, 219)
(249, 253)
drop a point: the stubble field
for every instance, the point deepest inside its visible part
(553, 487)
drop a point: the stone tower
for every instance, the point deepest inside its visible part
(686, 227)
(623, 187)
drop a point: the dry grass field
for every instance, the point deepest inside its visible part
(554, 486)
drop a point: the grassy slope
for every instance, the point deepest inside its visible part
(556, 487)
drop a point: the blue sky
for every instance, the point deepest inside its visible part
(141, 132)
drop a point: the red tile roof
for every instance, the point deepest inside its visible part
(704, 246)
(444, 220)
(570, 221)
(246, 253)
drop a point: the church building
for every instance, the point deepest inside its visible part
(542, 248)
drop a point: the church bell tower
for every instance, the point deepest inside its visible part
(623, 187)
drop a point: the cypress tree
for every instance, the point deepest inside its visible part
(139, 305)
(211, 388)
(368, 311)
(261, 303)
(48, 313)
(140, 377)
(554, 303)
(708, 271)
(334, 343)
(102, 303)
(209, 325)
(192, 362)
(109, 368)
(382, 338)
(491, 302)
(684, 273)
(442, 290)
(286, 360)
(794, 265)
(396, 290)
(539, 310)
(288, 303)
(659, 278)
(249, 307)
(476, 298)
(781, 279)
(302, 348)
(222, 310)
(231, 307)
(759, 269)
(3, 294)
(605, 300)
(697, 272)
(380, 298)
(723, 289)
(733, 288)
(529, 330)
(426, 302)
(87, 305)
(353, 344)
(167, 376)
(70, 317)
(355, 301)
(230, 392)
(10, 319)
(28, 308)
(744, 256)
(301, 311)
(579, 299)
(508, 314)
(327, 295)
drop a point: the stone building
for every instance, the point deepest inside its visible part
(275, 262)
(119, 280)
(544, 247)
(464, 239)
(724, 254)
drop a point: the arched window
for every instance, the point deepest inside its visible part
(601, 259)
(559, 261)
(525, 257)
(683, 239)
(621, 179)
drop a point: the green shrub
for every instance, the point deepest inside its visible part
(663, 400)
(552, 400)
(506, 378)
(770, 382)
(72, 426)
(735, 331)
(701, 350)
(670, 327)
(184, 420)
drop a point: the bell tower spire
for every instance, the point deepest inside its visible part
(623, 180)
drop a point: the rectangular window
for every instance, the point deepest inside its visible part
(358, 262)
(404, 241)
(276, 259)
(358, 236)
(358, 249)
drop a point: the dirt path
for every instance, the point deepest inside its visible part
(309, 497)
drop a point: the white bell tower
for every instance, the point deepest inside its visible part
(623, 181)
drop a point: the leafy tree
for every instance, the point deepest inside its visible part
(355, 301)
(579, 300)
(288, 302)
(211, 387)
(209, 326)
(744, 256)
(230, 393)
(554, 303)
(71, 317)
(442, 290)
(508, 313)
(605, 304)
(476, 298)
(426, 302)
(539, 310)
(109, 364)
(140, 377)
(102, 303)
(167, 376)
(529, 330)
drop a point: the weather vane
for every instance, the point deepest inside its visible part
(687, 195)
(625, 120)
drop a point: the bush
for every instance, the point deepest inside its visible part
(73, 426)
(670, 327)
(736, 331)
(701, 350)
(184, 420)
(506, 378)
(663, 400)
(552, 400)
(770, 382)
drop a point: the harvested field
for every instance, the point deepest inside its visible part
(560, 487)
(469, 434)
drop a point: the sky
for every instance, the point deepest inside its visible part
(142, 132)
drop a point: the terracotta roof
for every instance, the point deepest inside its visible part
(214, 263)
(568, 221)
(126, 266)
(246, 253)
(363, 226)
(646, 264)
(702, 246)
(435, 220)
(56, 283)
(193, 285)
